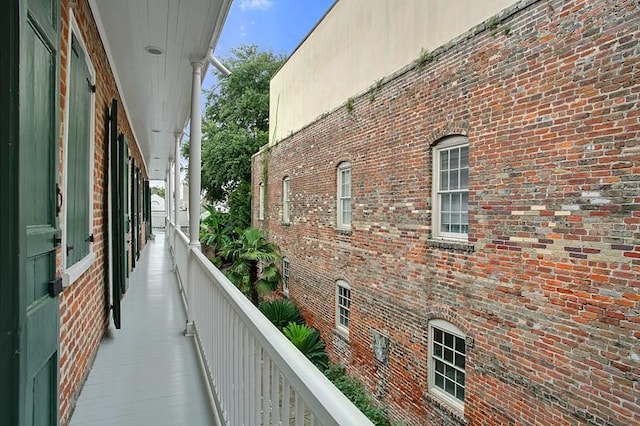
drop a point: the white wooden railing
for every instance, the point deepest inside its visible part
(257, 376)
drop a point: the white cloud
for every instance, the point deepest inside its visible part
(256, 4)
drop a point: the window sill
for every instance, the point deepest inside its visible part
(74, 272)
(455, 410)
(344, 231)
(342, 334)
(451, 245)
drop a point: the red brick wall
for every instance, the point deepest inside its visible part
(83, 313)
(550, 294)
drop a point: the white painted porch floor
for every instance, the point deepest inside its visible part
(147, 373)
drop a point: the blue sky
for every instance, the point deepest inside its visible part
(273, 25)
(277, 25)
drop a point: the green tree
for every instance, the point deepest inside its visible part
(158, 190)
(247, 253)
(235, 126)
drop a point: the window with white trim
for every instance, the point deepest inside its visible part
(78, 255)
(261, 202)
(285, 276)
(344, 196)
(450, 197)
(343, 306)
(447, 356)
(286, 200)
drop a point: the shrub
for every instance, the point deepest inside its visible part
(357, 393)
(308, 341)
(281, 312)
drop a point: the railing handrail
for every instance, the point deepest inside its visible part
(328, 404)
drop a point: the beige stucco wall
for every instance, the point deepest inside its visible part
(359, 42)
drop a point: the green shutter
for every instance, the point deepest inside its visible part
(78, 151)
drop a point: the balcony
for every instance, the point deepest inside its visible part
(233, 366)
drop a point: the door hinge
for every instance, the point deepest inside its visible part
(55, 287)
(92, 87)
(69, 248)
(90, 238)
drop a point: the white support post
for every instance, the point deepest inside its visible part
(176, 180)
(195, 141)
(167, 200)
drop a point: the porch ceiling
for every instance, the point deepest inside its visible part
(156, 89)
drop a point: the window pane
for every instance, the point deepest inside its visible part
(450, 372)
(453, 179)
(460, 345)
(444, 160)
(464, 156)
(460, 378)
(346, 217)
(460, 394)
(450, 387)
(440, 367)
(464, 179)
(444, 180)
(437, 335)
(448, 355)
(459, 361)
(438, 381)
(444, 222)
(448, 340)
(454, 162)
(455, 203)
(437, 351)
(446, 202)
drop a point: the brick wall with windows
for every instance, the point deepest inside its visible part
(545, 286)
(83, 304)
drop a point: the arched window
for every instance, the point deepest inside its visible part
(447, 358)
(343, 306)
(285, 276)
(344, 196)
(450, 197)
(286, 200)
(261, 202)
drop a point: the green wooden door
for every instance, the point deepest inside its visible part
(37, 169)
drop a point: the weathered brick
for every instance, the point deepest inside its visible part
(551, 279)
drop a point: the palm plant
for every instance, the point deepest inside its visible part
(215, 232)
(308, 341)
(246, 253)
(281, 312)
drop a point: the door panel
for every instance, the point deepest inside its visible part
(37, 197)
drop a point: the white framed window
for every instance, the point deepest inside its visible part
(286, 200)
(285, 276)
(447, 358)
(344, 196)
(79, 125)
(450, 198)
(261, 201)
(343, 306)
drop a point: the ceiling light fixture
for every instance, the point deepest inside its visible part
(154, 50)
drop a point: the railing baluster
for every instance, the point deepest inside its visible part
(300, 411)
(286, 402)
(275, 394)
(265, 403)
